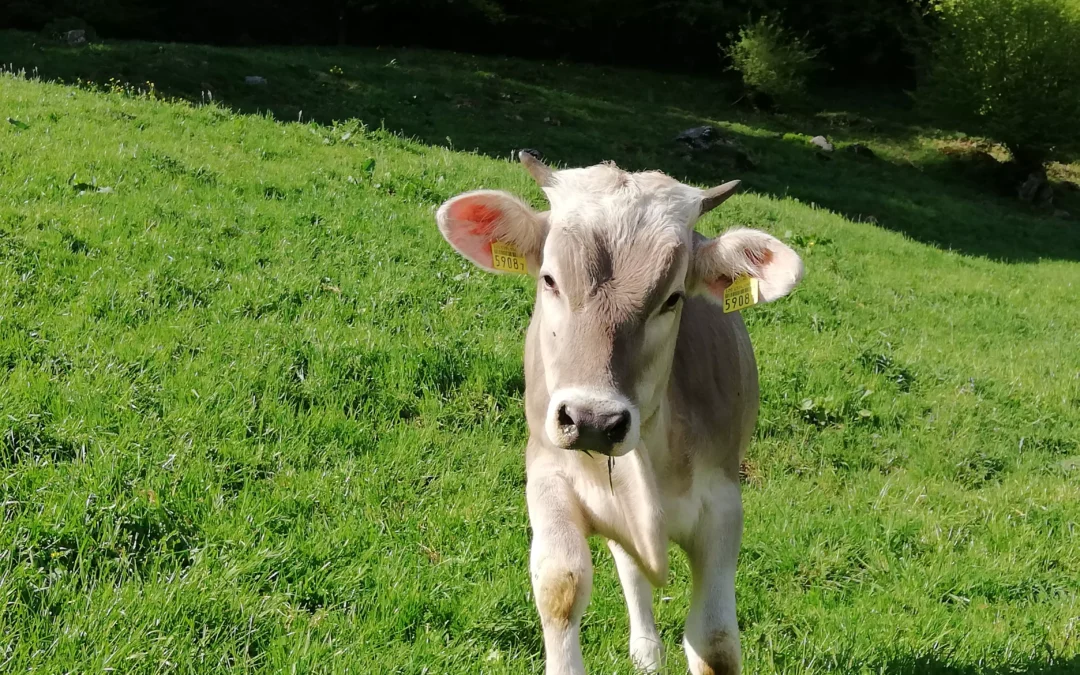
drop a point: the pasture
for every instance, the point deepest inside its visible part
(256, 415)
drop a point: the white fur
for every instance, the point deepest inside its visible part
(607, 196)
(660, 333)
(712, 563)
(727, 256)
(648, 494)
(646, 648)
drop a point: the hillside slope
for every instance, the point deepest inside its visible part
(255, 413)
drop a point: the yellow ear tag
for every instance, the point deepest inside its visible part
(505, 257)
(742, 293)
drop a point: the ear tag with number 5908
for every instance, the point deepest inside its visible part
(505, 257)
(742, 293)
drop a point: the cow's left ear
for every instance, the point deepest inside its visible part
(717, 262)
(473, 222)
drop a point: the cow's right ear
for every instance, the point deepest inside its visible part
(474, 221)
(743, 252)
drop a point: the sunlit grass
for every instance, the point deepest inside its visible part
(254, 413)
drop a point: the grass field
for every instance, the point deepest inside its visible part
(255, 415)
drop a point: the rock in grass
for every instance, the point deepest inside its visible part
(699, 138)
(709, 138)
(1036, 189)
(860, 150)
(75, 38)
(821, 143)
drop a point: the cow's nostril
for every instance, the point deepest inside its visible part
(564, 417)
(619, 427)
(592, 427)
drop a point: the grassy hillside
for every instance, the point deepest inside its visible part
(255, 414)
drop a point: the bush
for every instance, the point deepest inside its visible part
(771, 61)
(1007, 69)
(860, 38)
(59, 28)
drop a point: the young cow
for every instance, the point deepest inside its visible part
(641, 393)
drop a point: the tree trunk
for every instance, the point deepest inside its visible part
(1029, 176)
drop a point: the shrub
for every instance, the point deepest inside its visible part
(58, 28)
(1007, 69)
(771, 61)
(860, 38)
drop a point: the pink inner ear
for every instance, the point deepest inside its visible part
(472, 226)
(760, 259)
(719, 285)
(480, 217)
(757, 259)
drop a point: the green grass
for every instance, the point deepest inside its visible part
(256, 415)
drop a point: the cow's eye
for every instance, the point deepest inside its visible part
(549, 283)
(672, 302)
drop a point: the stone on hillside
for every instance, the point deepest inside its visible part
(860, 150)
(709, 138)
(699, 138)
(1036, 189)
(739, 157)
(821, 143)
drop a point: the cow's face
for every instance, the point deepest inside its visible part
(614, 260)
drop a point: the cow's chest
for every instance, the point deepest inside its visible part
(643, 509)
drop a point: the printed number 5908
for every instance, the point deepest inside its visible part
(737, 302)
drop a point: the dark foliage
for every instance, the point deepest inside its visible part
(859, 38)
(1007, 69)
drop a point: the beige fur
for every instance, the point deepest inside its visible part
(618, 246)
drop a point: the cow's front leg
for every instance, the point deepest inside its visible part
(561, 571)
(646, 650)
(712, 632)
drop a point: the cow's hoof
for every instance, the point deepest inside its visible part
(647, 653)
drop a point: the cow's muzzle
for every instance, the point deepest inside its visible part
(592, 422)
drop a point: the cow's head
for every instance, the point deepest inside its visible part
(615, 258)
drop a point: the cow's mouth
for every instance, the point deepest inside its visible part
(588, 441)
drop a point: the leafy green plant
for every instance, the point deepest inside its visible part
(58, 29)
(771, 61)
(1006, 69)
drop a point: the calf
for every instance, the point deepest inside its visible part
(641, 392)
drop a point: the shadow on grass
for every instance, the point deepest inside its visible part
(949, 203)
(932, 666)
(580, 115)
